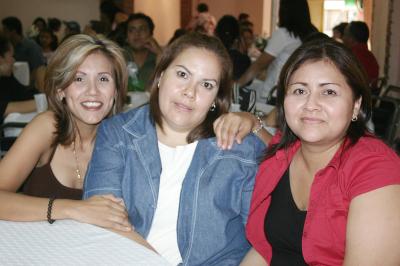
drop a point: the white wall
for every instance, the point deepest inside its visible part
(165, 15)
(81, 11)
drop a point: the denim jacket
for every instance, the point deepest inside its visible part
(215, 195)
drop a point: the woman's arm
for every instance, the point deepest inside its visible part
(235, 126)
(253, 258)
(373, 228)
(28, 151)
(20, 107)
(33, 144)
(105, 211)
(261, 63)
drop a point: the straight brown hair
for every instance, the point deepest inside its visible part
(223, 99)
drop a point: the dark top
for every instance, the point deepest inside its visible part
(29, 51)
(241, 62)
(11, 91)
(283, 226)
(43, 183)
(146, 70)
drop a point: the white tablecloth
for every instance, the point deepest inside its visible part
(68, 242)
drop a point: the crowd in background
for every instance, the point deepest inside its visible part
(179, 175)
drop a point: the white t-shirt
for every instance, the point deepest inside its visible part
(281, 45)
(163, 235)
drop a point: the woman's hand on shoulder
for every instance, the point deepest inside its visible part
(232, 127)
(102, 210)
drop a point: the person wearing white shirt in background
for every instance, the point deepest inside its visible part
(294, 26)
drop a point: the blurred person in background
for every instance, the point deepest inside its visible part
(294, 26)
(203, 21)
(356, 35)
(338, 31)
(142, 50)
(14, 97)
(48, 42)
(25, 49)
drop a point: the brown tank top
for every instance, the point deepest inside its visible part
(43, 183)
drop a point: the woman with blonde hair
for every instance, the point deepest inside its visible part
(85, 82)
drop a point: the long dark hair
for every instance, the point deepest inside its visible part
(294, 15)
(223, 99)
(349, 67)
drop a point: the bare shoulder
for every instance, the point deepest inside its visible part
(31, 149)
(39, 133)
(42, 125)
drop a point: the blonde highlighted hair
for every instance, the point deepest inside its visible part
(61, 71)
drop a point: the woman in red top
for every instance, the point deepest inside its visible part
(328, 192)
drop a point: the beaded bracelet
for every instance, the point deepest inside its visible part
(255, 131)
(49, 208)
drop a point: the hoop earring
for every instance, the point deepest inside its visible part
(213, 107)
(354, 118)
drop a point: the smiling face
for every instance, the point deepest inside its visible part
(188, 88)
(90, 96)
(319, 103)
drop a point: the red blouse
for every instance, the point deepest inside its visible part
(366, 166)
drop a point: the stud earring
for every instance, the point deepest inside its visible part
(354, 118)
(213, 107)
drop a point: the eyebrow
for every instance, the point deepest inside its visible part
(190, 73)
(321, 84)
(100, 73)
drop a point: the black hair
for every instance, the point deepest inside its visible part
(347, 64)
(178, 33)
(40, 19)
(359, 31)
(13, 24)
(294, 15)
(54, 41)
(202, 7)
(5, 45)
(227, 30)
(54, 24)
(110, 9)
(243, 16)
(340, 27)
(136, 16)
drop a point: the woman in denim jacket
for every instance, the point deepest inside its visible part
(184, 194)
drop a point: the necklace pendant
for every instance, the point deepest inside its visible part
(78, 174)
